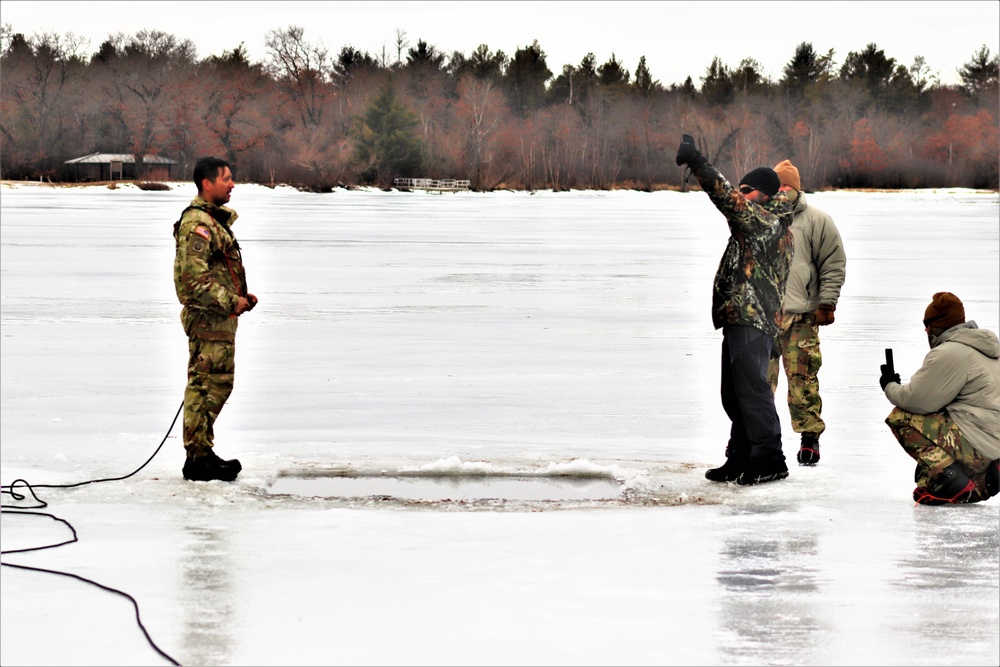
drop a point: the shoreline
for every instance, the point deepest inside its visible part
(164, 186)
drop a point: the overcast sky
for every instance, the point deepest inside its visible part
(679, 39)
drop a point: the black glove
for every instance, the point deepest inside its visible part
(688, 153)
(888, 377)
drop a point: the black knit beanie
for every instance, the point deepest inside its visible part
(764, 179)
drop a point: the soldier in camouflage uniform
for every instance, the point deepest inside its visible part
(211, 285)
(746, 305)
(814, 282)
(947, 418)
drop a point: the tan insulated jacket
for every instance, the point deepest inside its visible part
(961, 374)
(819, 265)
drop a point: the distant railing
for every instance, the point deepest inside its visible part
(442, 185)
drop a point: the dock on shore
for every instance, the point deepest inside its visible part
(431, 184)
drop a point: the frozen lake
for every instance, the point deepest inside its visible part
(555, 336)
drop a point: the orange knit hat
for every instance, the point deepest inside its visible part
(788, 174)
(945, 311)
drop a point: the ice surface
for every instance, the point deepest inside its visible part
(503, 333)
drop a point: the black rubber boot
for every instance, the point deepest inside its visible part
(210, 467)
(809, 450)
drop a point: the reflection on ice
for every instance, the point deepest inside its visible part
(952, 551)
(769, 591)
(953, 561)
(207, 596)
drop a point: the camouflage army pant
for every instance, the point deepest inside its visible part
(935, 442)
(211, 369)
(799, 346)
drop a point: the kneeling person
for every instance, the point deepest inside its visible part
(946, 418)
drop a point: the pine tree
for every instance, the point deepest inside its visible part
(387, 142)
(612, 74)
(980, 73)
(526, 76)
(717, 84)
(870, 67)
(644, 82)
(803, 70)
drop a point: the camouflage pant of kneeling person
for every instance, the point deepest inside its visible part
(934, 441)
(211, 369)
(800, 353)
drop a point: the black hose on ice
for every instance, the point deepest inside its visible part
(40, 504)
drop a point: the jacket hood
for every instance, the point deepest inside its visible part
(969, 333)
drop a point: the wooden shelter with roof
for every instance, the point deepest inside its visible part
(118, 166)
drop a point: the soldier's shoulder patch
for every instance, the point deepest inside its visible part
(203, 232)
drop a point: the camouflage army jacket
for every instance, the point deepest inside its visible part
(208, 271)
(752, 275)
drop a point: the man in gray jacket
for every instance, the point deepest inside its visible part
(947, 417)
(814, 282)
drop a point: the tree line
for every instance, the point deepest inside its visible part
(319, 120)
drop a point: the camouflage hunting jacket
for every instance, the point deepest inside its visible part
(208, 271)
(750, 282)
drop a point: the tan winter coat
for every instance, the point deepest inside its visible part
(961, 374)
(819, 265)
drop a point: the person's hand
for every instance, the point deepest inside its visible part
(887, 377)
(242, 305)
(251, 301)
(688, 153)
(824, 314)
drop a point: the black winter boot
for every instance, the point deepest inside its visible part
(809, 450)
(728, 471)
(993, 478)
(950, 486)
(210, 467)
(761, 471)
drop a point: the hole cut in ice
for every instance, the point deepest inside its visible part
(439, 487)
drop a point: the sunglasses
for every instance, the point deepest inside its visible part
(746, 189)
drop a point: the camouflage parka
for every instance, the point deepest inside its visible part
(208, 271)
(750, 282)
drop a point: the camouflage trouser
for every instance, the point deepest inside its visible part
(799, 345)
(211, 368)
(935, 442)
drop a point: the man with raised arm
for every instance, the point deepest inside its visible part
(746, 305)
